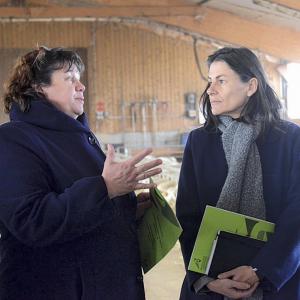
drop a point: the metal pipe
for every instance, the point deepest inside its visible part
(133, 116)
(154, 121)
(144, 122)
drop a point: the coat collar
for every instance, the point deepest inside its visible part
(43, 114)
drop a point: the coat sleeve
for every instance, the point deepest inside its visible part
(279, 259)
(33, 212)
(187, 209)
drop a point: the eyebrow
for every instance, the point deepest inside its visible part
(71, 74)
(222, 75)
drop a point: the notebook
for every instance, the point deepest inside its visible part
(230, 251)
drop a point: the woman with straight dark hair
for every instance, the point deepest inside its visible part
(67, 211)
(245, 159)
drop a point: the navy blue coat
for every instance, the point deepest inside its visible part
(61, 236)
(203, 173)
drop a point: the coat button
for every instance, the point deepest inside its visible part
(139, 278)
(92, 140)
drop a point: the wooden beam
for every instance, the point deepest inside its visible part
(102, 3)
(281, 42)
(293, 4)
(38, 3)
(128, 2)
(278, 41)
(119, 11)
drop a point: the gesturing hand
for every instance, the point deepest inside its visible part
(123, 177)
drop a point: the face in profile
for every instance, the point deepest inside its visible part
(66, 91)
(228, 94)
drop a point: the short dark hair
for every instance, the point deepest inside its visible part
(263, 104)
(33, 71)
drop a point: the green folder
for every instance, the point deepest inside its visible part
(158, 231)
(216, 219)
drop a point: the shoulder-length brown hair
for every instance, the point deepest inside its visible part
(263, 104)
(33, 71)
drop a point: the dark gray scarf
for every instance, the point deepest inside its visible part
(243, 188)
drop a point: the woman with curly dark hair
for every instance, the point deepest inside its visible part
(244, 159)
(67, 212)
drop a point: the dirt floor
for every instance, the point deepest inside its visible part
(164, 281)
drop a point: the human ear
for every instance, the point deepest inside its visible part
(252, 86)
(37, 87)
(40, 89)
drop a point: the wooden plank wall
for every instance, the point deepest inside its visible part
(127, 68)
(138, 66)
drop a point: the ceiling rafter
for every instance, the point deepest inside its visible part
(220, 25)
(99, 3)
(278, 41)
(119, 11)
(293, 4)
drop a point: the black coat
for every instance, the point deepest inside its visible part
(203, 173)
(61, 236)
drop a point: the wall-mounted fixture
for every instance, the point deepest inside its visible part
(100, 110)
(190, 101)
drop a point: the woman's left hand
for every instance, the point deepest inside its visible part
(143, 203)
(242, 273)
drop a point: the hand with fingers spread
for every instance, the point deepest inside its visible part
(123, 177)
(231, 288)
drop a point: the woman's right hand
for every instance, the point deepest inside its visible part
(231, 288)
(123, 177)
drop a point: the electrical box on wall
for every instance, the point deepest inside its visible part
(100, 110)
(190, 101)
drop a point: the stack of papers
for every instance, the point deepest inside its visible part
(217, 219)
